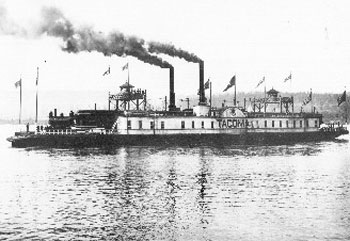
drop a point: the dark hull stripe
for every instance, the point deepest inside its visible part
(99, 140)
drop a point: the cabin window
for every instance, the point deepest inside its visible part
(152, 125)
(202, 124)
(129, 124)
(162, 125)
(307, 123)
(287, 124)
(316, 124)
(265, 123)
(280, 123)
(212, 124)
(294, 124)
(273, 123)
(182, 125)
(140, 124)
(301, 123)
(193, 124)
(257, 124)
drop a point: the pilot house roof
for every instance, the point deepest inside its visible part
(272, 92)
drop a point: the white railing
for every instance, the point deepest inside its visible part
(73, 132)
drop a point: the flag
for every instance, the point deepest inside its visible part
(231, 83)
(125, 66)
(288, 78)
(207, 84)
(308, 98)
(18, 83)
(260, 82)
(108, 71)
(342, 98)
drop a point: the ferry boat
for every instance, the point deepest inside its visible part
(127, 122)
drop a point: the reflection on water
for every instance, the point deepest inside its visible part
(297, 192)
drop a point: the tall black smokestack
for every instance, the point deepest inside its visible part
(201, 84)
(171, 91)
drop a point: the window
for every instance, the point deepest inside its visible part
(294, 124)
(193, 124)
(212, 124)
(273, 123)
(152, 125)
(162, 125)
(202, 124)
(140, 124)
(280, 123)
(182, 125)
(287, 124)
(307, 123)
(265, 123)
(316, 124)
(301, 123)
(129, 124)
(257, 124)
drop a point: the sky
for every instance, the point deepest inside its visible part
(249, 39)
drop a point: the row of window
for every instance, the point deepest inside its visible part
(162, 126)
(273, 124)
(287, 123)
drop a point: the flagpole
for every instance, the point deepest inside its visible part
(36, 103)
(346, 102)
(311, 99)
(210, 98)
(128, 74)
(20, 100)
(264, 97)
(235, 90)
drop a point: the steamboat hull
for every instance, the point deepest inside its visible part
(116, 140)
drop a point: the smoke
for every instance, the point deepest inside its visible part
(8, 27)
(55, 24)
(169, 49)
(77, 39)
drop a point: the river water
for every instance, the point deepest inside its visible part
(294, 192)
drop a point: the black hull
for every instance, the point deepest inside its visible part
(101, 140)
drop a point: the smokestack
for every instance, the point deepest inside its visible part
(55, 112)
(201, 84)
(172, 106)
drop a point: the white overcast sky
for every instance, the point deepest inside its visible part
(252, 39)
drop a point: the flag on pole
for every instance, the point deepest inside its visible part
(125, 66)
(231, 83)
(308, 98)
(341, 98)
(260, 82)
(18, 83)
(288, 78)
(207, 84)
(108, 71)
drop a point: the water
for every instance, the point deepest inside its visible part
(298, 192)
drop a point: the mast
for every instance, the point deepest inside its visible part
(36, 103)
(265, 98)
(346, 108)
(235, 100)
(210, 100)
(128, 86)
(311, 100)
(20, 100)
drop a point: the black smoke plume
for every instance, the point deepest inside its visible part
(169, 49)
(86, 39)
(77, 39)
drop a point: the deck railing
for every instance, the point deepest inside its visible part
(73, 132)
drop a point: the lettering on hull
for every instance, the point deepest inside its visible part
(234, 123)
